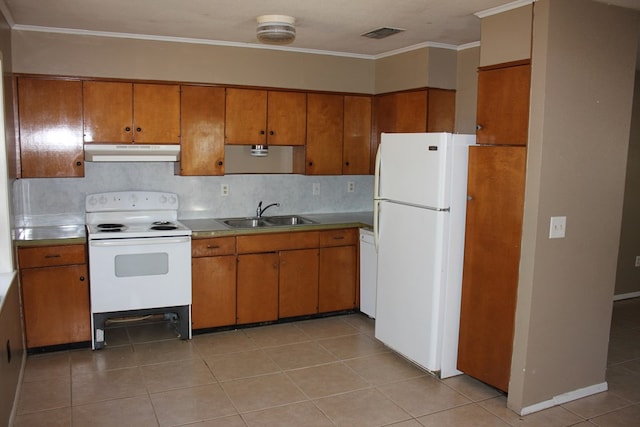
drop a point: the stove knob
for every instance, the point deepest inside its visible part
(102, 200)
(163, 199)
(91, 201)
(133, 199)
(173, 200)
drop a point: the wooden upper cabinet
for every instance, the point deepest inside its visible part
(202, 129)
(265, 117)
(441, 110)
(325, 118)
(356, 152)
(121, 112)
(503, 104)
(50, 138)
(286, 118)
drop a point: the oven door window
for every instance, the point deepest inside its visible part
(147, 264)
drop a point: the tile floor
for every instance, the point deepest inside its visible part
(324, 372)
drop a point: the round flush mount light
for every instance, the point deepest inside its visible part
(276, 29)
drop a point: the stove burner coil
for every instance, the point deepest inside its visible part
(162, 223)
(164, 227)
(110, 228)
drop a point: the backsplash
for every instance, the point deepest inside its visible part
(58, 201)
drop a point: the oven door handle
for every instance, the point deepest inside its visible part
(142, 241)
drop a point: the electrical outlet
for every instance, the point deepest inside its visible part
(316, 188)
(638, 261)
(557, 227)
(224, 190)
(351, 187)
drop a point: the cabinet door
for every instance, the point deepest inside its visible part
(257, 288)
(214, 291)
(246, 116)
(108, 114)
(503, 105)
(202, 116)
(56, 305)
(441, 110)
(491, 262)
(298, 283)
(357, 135)
(337, 278)
(50, 138)
(324, 134)
(156, 114)
(286, 118)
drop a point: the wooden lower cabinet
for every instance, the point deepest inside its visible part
(213, 277)
(491, 262)
(55, 295)
(257, 288)
(298, 294)
(338, 270)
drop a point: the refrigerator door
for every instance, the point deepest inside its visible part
(409, 299)
(413, 168)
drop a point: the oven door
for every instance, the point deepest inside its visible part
(139, 273)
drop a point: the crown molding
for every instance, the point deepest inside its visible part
(505, 7)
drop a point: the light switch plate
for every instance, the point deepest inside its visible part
(557, 227)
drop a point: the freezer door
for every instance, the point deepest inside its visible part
(413, 168)
(410, 281)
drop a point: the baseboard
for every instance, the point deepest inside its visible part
(626, 296)
(565, 397)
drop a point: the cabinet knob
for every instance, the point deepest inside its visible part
(138, 129)
(310, 163)
(347, 163)
(127, 129)
(220, 163)
(478, 127)
(78, 163)
(262, 132)
(469, 198)
(271, 132)
(82, 278)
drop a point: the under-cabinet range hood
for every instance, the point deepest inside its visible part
(131, 152)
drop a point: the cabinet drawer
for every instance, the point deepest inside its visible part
(277, 242)
(46, 256)
(213, 247)
(342, 237)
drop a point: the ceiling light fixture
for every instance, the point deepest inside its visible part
(276, 29)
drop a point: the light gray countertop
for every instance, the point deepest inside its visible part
(201, 227)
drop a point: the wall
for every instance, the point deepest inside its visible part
(583, 67)
(628, 276)
(467, 90)
(506, 36)
(64, 54)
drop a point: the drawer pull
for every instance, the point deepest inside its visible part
(213, 247)
(338, 237)
(52, 256)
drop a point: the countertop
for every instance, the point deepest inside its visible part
(200, 227)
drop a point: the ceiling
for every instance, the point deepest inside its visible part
(323, 25)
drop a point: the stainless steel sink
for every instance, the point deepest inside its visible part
(267, 221)
(245, 222)
(288, 220)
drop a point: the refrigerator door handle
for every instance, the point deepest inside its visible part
(376, 201)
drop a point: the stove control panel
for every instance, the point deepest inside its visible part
(131, 201)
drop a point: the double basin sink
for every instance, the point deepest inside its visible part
(266, 221)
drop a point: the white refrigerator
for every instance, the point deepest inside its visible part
(420, 197)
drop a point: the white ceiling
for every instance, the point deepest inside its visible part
(324, 25)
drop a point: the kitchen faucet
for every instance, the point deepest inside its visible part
(260, 210)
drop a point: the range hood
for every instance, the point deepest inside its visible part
(132, 153)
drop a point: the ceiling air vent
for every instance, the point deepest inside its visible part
(382, 32)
